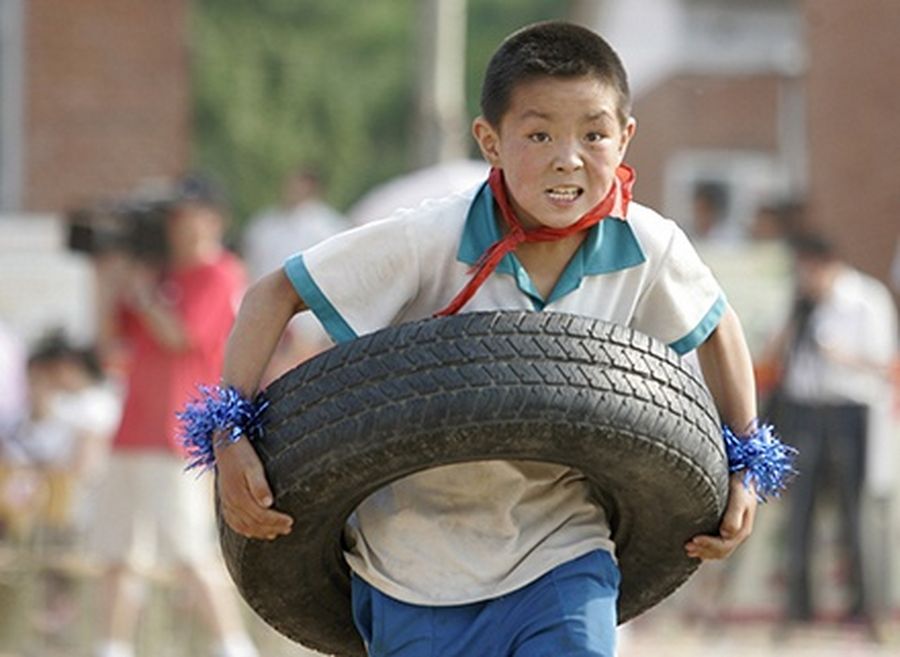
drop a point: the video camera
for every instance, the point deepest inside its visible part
(133, 227)
(136, 225)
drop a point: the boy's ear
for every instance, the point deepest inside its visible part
(627, 135)
(488, 140)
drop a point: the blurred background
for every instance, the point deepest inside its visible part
(757, 119)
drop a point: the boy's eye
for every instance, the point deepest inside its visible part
(539, 137)
(594, 136)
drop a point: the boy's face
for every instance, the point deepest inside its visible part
(559, 144)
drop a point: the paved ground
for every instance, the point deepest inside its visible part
(654, 635)
(701, 619)
(753, 640)
(729, 600)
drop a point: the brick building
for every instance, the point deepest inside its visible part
(853, 99)
(95, 98)
(771, 99)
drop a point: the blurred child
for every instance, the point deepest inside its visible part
(53, 456)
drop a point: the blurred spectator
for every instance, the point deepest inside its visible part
(55, 454)
(71, 417)
(173, 317)
(12, 412)
(775, 221)
(710, 203)
(301, 220)
(837, 347)
(17, 490)
(12, 383)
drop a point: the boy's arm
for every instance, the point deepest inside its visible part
(244, 493)
(728, 370)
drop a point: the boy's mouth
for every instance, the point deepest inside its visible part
(564, 193)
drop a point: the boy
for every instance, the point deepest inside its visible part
(525, 556)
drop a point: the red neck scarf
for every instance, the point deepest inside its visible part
(615, 203)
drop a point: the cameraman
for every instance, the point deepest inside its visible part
(167, 320)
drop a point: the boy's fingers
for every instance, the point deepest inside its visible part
(258, 486)
(737, 522)
(709, 547)
(732, 523)
(250, 519)
(735, 528)
(245, 495)
(259, 518)
(267, 520)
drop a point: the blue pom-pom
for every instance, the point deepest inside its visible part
(767, 462)
(217, 410)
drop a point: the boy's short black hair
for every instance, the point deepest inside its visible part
(556, 49)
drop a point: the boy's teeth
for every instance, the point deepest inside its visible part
(563, 192)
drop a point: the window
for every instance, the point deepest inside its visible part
(715, 193)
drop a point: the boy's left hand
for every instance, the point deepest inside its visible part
(737, 524)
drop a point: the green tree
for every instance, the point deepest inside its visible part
(279, 83)
(489, 22)
(283, 82)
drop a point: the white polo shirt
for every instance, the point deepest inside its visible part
(462, 533)
(277, 233)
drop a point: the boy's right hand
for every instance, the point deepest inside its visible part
(244, 494)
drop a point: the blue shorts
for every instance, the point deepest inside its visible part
(568, 612)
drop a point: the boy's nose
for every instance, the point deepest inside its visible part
(567, 158)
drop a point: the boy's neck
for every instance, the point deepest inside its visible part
(546, 261)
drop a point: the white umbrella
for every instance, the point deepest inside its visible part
(409, 190)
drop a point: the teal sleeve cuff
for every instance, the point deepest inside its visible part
(703, 330)
(315, 299)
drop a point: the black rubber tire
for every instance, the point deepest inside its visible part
(614, 403)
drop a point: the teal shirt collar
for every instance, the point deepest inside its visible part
(610, 246)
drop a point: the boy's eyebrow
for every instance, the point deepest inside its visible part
(602, 114)
(534, 114)
(592, 116)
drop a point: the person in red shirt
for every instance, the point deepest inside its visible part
(171, 322)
